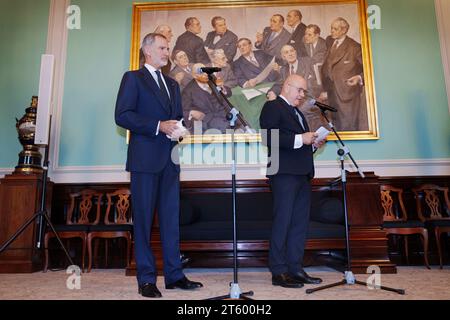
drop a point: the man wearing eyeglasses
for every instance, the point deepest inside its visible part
(291, 183)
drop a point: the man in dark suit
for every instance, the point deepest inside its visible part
(149, 105)
(250, 64)
(294, 20)
(342, 75)
(222, 38)
(273, 37)
(191, 43)
(290, 181)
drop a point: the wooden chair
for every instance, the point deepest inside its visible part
(117, 223)
(433, 207)
(395, 219)
(84, 211)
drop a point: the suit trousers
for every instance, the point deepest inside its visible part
(291, 211)
(158, 191)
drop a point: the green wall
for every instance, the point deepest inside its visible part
(412, 102)
(23, 38)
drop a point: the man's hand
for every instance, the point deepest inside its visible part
(271, 96)
(309, 138)
(354, 81)
(259, 37)
(319, 144)
(196, 115)
(168, 127)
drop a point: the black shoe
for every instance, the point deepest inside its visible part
(185, 284)
(285, 281)
(302, 277)
(149, 290)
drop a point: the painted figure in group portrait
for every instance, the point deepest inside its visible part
(257, 47)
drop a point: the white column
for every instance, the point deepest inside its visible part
(57, 45)
(442, 14)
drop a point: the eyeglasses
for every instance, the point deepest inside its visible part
(300, 90)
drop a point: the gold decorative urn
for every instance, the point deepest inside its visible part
(29, 158)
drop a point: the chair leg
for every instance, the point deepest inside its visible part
(89, 247)
(46, 241)
(83, 251)
(406, 249)
(424, 236)
(437, 233)
(106, 253)
(128, 250)
(95, 257)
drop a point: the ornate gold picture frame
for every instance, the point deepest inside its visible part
(247, 18)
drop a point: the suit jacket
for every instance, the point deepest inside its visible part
(227, 75)
(279, 115)
(228, 43)
(296, 40)
(244, 70)
(340, 65)
(303, 69)
(139, 108)
(187, 75)
(193, 46)
(274, 47)
(195, 98)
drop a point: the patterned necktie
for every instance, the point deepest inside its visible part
(162, 88)
(300, 118)
(292, 70)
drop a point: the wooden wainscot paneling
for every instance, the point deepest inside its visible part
(20, 196)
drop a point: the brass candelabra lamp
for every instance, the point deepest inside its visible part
(30, 158)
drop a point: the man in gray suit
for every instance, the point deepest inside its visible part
(302, 67)
(342, 74)
(202, 105)
(294, 21)
(226, 76)
(182, 72)
(293, 65)
(191, 43)
(316, 49)
(221, 38)
(273, 37)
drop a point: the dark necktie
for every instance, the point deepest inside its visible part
(162, 88)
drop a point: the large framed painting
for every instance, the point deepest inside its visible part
(257, 45)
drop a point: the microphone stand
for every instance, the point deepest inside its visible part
(231, 109)
(232, 116)
(349, 277)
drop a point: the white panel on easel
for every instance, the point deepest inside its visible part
(45, 100)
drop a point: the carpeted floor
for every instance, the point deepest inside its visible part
(112, 284)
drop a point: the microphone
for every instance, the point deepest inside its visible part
(322, 106)
(208, 70)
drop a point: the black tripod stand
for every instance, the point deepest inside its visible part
(41, 215)
(349, 277)
(232, 116)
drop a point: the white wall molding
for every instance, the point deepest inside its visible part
(5, 171)
(442, 15)
(324, 169)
